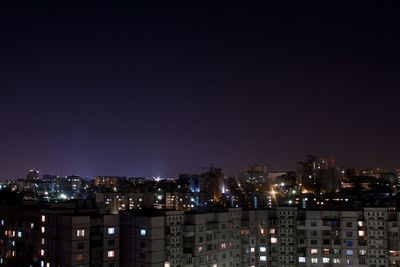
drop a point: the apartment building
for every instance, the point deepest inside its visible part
(79, 234)
(115, 202)
(58, 234)
(175, 238)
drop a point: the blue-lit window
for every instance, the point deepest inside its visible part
(349, 243)
(143, 232)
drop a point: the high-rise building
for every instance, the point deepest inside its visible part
(313, 175)
(32, 175)
(254, 179)
(212, 182)
(58, 234)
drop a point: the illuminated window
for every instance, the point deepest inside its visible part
(80, 258)
(349, 262)
(326, 260)
(223, 245)
(360, 223)
(43, 218)
(336, 260)
(393, 253)
(2, 222)
(19, 234)
(43, 230)
(349, 252)
(32, 225)
(272, 231)
(42, 242)
(111, 253)
(274, 240)
(314, 260)
(326, 251)
(142, 232)
(361, 233)
(263, 258)
(363, 252)
(167, 264)
(42, 264)
(80, 233)
(314, 251)
(42, 252)
(200, 249)
(111, 230)
(252, 250)
(302, 259)
(48, 264)
(263, 249)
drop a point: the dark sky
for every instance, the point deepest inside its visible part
(164, 87)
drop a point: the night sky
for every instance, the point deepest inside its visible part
(163, 88)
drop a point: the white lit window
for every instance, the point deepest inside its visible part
(272, 231)
(42, 264)
(43, 218)
(252, 250)
(142, 232)
(360, 223)
(326, 260)
(274, 240)
(363, 252)
(215, 265)
(263, 258)
(263, 249)
(302, 259)
(43, 230)
(314, 260)
(167, 264)
(200, 249)
(111, 230)
(42, 242)
(361, 233)
(349, 262)
(2, 222)
(223, 245)
(32, 225)
(336, 260)
(42, 252)
(314, 251)
(111, 253)
(80, 233)
(349, 252)
(48, 264)
(19, 234)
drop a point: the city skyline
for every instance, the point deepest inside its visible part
(157, 90)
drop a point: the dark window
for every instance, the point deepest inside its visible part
(80, 245)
